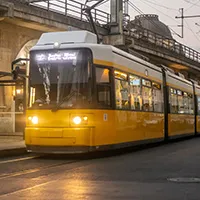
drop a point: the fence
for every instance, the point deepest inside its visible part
(166, 43)
(73, 9)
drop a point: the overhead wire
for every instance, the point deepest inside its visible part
(175, 33)
(189, 28)
(175, 20)
(89, 1)
(168, 8)
(103, 3)
(151, 21)
(165, 15)
(193, 4)
(192, 31)
(159, 10)
(141, 12)
(135, 7)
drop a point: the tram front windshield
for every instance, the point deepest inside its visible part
(60, 79)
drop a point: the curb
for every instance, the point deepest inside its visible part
(13, 152)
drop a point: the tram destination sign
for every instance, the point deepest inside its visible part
(56, 57)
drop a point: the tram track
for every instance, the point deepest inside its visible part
(43, 183)
(27, 160)
(18, 159)
(38, 176)
(34, 170)
(43, 158)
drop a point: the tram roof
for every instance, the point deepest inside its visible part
(103, 52)
(99, 51)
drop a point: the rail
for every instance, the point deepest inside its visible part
(169, 44)
(73, 9)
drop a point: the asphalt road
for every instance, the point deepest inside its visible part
(143, 174)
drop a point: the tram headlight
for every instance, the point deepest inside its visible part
(77, 120)
(80, 120)
(34, 120)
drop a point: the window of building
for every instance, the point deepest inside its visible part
(135, 92)
(121, 90)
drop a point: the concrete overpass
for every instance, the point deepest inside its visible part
(22, 13)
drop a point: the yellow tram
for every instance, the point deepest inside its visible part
(87, 97)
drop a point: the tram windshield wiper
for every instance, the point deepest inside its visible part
(65, 99)
(40, 102)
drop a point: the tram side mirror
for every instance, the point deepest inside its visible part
(15, 73)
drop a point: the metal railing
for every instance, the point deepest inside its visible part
(174, 47)
(73, 9)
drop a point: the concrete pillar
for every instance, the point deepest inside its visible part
(116, 37)
(12, 39)
(126, 7)
(116, 10)
(13, 116)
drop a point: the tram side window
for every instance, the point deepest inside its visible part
(180, 102)
(198, 104)
(102, 75)
(191, 104)
(135, 92)
(186, 102)
(173, 101)
(121, 90)
(103, 87)
(157, 97)
(147, 95)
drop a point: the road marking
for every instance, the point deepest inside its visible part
(3, 176)
(26, 189)
(19, 159)
(185, 180)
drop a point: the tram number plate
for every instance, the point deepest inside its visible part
(51, 134)
(105, 117)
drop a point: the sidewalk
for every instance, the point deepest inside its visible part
(12, 145)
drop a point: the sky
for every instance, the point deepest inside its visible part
(167, 10)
